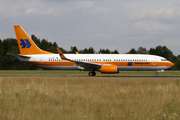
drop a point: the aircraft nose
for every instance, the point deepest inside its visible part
(171, 64)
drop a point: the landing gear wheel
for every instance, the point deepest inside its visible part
(92, 73)
(156, 74)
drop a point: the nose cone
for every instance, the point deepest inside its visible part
(170, 64)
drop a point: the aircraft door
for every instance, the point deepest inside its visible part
(41, 61)
(154, 61)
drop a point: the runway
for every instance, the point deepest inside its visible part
(142, 76)
(159, 77)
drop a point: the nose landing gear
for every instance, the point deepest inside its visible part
(156, 74)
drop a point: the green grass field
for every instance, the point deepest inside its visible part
(82, 73)
(72, 95)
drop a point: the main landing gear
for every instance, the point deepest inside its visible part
(92, 74)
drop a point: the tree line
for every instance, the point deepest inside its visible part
(9, 45)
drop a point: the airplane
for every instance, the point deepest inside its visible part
(104, 63)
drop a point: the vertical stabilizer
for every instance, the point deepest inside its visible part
(25, 44)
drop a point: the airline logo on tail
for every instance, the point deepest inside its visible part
(25, 43)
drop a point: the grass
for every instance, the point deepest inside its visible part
(82, 73)
(52, 96)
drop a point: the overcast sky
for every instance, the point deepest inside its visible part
(112, 24)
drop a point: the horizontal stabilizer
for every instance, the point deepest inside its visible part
(18, 55)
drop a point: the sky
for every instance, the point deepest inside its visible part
(106, 24)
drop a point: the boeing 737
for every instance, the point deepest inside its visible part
(104, 63)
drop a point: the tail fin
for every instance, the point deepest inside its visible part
(26, 45)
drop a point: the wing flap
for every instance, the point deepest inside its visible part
(87, 65)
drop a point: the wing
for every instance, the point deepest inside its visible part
(83, 64)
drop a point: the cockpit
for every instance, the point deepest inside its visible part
(164, 60)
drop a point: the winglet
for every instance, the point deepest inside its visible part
(77, 52)
(61, 54)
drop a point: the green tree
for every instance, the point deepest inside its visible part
(142, 50)
(73, 49)
(55, 45)
(36, 40)
(85, 50)
(10, 62)
(104, 51)
(91, 50)
(132, 51)
(1, 53)
(177, 63)
(114, 52)
(45, 45)
(63, 50)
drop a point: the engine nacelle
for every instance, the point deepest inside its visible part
(110, 69)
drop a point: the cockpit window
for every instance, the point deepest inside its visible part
(163, 60)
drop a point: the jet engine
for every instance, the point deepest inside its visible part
(109, 69)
